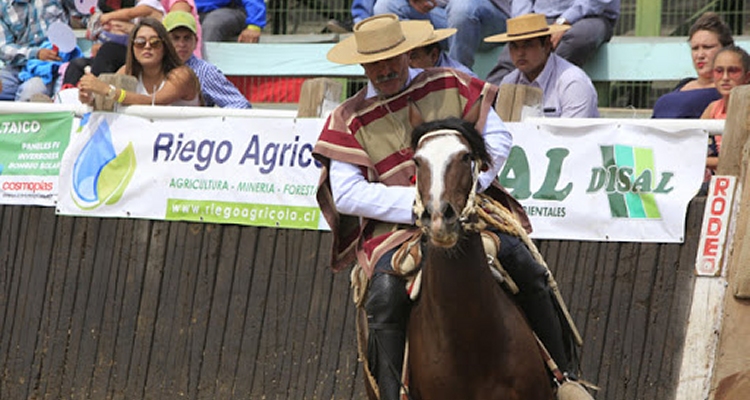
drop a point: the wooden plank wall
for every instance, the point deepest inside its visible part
(133, 309)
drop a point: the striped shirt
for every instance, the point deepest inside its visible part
(23, 24)
(216, 88)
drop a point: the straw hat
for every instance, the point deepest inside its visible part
(438, 35)
(378, 38)
(526, 27)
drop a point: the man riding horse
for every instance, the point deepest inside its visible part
(366, 190)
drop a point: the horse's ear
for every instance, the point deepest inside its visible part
(473, 115)
(415, 116)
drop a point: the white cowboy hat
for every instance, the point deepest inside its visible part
(526, 27)
(378, 38)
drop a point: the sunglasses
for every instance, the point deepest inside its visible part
(733, 72)
(154, 42)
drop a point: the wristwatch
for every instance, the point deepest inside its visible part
(561, 21)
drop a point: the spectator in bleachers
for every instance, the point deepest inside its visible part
(566, 89)
(691, 96)
(591, 24)
(431, 54)
(23, 25)
(474, 21)
(217, 90)
(360, 10)
(429, 10)
(731, 68)
(162, 77)
(225, 20)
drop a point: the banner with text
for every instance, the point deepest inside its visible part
(605, 181)
(596, 181)
(257, 171)
(30, 154)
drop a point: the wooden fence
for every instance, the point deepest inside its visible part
(131, 309)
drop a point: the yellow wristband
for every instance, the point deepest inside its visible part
(122, 96)
(253, 27)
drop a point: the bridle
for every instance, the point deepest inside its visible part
(469, 209)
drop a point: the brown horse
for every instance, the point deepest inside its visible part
(467, 337)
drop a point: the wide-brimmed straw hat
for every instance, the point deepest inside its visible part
(378, 38)
(526, 27)
(438, 35)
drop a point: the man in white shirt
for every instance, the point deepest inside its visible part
(567, 90)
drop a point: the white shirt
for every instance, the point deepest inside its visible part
(354, 195)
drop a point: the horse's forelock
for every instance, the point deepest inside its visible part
(467, 130)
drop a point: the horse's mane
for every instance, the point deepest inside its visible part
(467, 130)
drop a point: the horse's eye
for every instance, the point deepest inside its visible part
(466, 158)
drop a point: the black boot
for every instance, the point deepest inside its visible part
(387, 307)
(535, 299)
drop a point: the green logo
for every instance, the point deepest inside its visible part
(630, 180)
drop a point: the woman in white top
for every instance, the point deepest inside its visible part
(162, 77)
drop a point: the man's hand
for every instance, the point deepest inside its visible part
(424, 6)
(555, 39)
(48, 55)
(249, 35)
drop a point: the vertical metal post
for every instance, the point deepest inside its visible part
(648, 17)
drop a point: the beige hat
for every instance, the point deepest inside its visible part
(438, 35)
(526, 27)
(378, 38)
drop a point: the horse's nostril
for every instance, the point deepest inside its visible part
(449, 214)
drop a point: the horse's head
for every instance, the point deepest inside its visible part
(448, 155)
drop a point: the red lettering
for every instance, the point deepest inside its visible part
(710, 247)
(714, 226)
(721, 203)
(720, 186)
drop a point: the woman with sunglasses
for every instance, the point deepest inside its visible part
(731, 69)
(162, 77)
(706, 36)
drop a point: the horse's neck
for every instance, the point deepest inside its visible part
(458, 273)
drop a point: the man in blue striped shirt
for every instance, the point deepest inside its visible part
(217, 90)
(23, 26)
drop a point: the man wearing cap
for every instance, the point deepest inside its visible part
(591, 23)
(431, 54)
(217, 90)
(366, 194)
(566, 89)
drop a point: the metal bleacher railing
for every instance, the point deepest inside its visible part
(638, 18)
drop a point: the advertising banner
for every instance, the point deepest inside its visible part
(605, 181)
(31, 148)
(595, 180)
(257, 171)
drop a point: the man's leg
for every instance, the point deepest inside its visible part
(474, 20)
(9, 76)
(223, 24)
(535, 297)
(405, 12)
(387, 306)
(581, 41)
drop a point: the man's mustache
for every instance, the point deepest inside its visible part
(383, 78)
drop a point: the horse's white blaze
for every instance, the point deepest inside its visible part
(437, 153)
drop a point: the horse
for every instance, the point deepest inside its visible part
(467, 338)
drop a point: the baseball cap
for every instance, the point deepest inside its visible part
(177, 19)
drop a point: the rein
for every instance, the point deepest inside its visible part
(470, 208)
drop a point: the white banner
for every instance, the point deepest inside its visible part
(592, 180)
(599, 180)
(257, 171)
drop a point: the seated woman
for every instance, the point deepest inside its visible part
(691, 96)
(162, 78)
(731, 69)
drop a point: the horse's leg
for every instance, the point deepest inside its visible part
(387, 307)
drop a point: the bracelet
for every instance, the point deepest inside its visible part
(111, 93)
(122, 96)
(252, 27)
